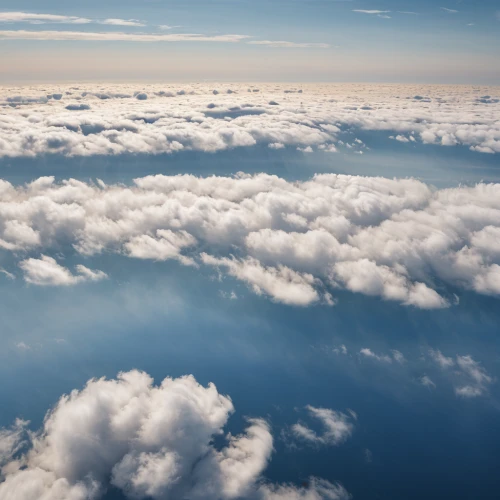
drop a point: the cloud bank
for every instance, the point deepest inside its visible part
(150, 442)
(295, 242)
(112, 120)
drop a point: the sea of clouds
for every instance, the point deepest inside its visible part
(88, 120)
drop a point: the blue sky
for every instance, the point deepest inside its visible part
(396, 41)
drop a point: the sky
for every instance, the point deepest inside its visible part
(250, 40)
(249, 250)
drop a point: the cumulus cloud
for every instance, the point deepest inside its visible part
(296, 242)
(47, 272)
(148, 441)
(337, 427)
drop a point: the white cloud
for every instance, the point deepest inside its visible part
(478, 379)
(107, 120)
(281, 283)
(289, 45)
(441, 359)
(470, 378)
(427, 382)
(317, 489)
(368, 353)
(337, 427)
(295, 242)
(122, 22)
(450, 11)
(373, 12)
(149, 441)
(116, 36)
(33, 18)
(47, 272)
(398, 356)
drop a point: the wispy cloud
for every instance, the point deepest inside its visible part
(122, 22)
(28, 17)
(374, 12)
(378, 13)
(109, 36)
(34, 18)
(168, 27)
(290, 45)
(450, 11)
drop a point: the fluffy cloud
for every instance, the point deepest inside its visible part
(107, 120)
(296, 242)
(47, 272)
(149, 441)
(337, 427)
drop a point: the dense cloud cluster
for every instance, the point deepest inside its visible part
(110, 120)
(296, 242)
(151, 442)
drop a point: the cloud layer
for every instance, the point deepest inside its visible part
(111, 120)
(149, 441)
(296, 242)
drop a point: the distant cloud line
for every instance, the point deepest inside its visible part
(40, 35)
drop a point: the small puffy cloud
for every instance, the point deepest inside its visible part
(442, 361)
(398, 356)
(149, 441)
(337, 427)
(368, 353)
(45, 271)
(478, 379)
(426, 381)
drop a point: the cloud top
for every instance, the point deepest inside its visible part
(149, 441)
(295, 242)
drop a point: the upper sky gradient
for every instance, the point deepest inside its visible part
(453, 41)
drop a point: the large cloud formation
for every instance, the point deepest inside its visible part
(296, 242)
(153, 442)
(110, 120)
